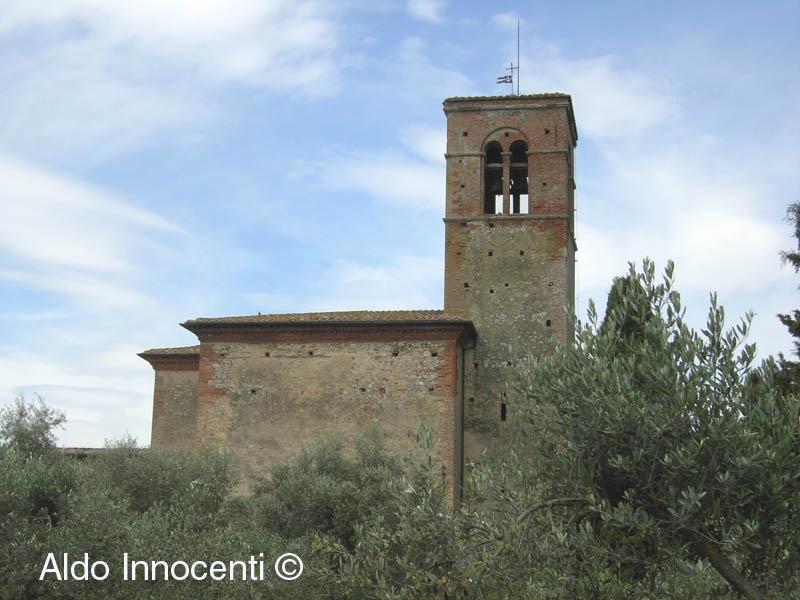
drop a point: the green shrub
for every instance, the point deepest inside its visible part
(35, 487)
(328, 492)
(145, 478)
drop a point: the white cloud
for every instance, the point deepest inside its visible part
(426, 10)
(103, 76)
(61, 222)
(72, 239)
(611, 102)
(224, 39)
(663, 185)
(388, 177)
(406, 282)
(506, 20)
(427, 142)
(410, 73)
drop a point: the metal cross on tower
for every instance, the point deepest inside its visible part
(512, 68)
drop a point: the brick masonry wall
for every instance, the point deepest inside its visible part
(268, 400)
(174, 409)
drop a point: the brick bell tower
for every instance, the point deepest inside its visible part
(509, 242)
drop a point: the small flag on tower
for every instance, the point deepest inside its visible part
(505, 79)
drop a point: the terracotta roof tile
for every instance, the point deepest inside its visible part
(183, 350)
(356, 316)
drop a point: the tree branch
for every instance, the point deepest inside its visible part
(721, 564)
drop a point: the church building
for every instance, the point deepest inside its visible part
(266, 385)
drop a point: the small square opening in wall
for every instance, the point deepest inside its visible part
(266, 354)
(472, 400)
(491, 225)
(503, 413)
(466, 285)
(465, 133)
(508, 363)
(475, 365)
(491, 290)
(362, 389)
(462, 185)
(522, 252)
(253, 391)
(311, 353)
(548, 323)
(507, 134)
(546, 131)
(430, 389)
(491, 253)
(395, 353)
(544, 184)
(434, 353)
(505, 284)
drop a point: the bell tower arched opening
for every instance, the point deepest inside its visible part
(520, 203)
(493, 179)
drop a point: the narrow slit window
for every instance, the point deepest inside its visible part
(503, 411)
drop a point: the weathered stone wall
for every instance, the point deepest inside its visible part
(515, 293)
(174, 409)
(267, 400)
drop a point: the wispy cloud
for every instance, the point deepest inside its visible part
(120, 72)
(506, 20)
(412, 180)
(426, 10)
(405, 282)
(73, 239)
(614, 102)
(683, 196)
(51, 219)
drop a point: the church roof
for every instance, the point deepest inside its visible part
(184, 358)
(183, 350)
(354, 316)
(351, 320)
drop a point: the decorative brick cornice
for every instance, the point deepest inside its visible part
(346, 331)
(512, 102)
(173, 359)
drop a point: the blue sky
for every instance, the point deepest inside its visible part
(162, 161)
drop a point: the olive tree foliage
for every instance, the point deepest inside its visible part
(328, 491)
(790, 369)
(29, 426)
(647, 446)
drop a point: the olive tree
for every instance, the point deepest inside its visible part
(29, 426)
(653, 443)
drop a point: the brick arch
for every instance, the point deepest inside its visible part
(498, 135)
